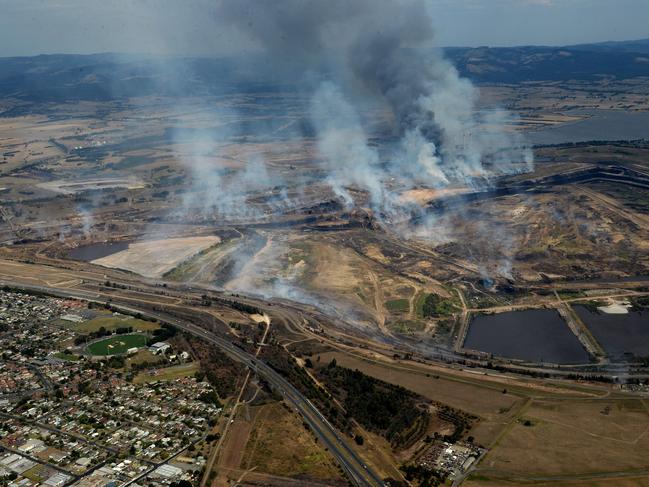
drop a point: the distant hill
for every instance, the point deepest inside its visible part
(638, 46)
(539, 63)
(101, 77)
(57, 78)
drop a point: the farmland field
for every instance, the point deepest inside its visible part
(565, 438)
(116, 345)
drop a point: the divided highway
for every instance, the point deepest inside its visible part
(359, 473)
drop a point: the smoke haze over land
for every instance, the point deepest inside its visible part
(352, 60)
(370, 51)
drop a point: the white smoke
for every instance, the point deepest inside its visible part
(342, 143)
(380, 54)
(87, 221)
(378, 58)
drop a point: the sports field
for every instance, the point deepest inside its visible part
(116, 345)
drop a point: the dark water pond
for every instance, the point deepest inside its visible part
(618, 334)
(97, 251)
(602, 125)
(538, 335)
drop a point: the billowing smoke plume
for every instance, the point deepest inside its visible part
(388, 113)
(381, 52)
(342, 143)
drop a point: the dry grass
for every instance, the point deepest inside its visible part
(167, 373)
(630, 481)
(140, 357)
(280, 445)
(574, 437)
(378, 454)
(487, 401)
(461, 395)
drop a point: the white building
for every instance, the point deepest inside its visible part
(159, 347)
(168, 471)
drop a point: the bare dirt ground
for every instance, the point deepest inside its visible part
(71, 187)
(155, 257)
(235, 442)
(422, 195)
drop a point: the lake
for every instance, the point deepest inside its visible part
(97, 251)
(538, 335)
(601, 125)
(618, 334)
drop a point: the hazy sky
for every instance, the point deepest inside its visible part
(191, 26)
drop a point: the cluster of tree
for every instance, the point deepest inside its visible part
(425, 477)
(622, 142)
(243, 307)
(280, 360)
(181, 483)
(640, 303)
(596, 378)
(461, 421)
(534, 373)
(146, 364)
(165, 332)
(636, 380)
(435, 306)
(102, 332)
(216, 367)
(387, 409)
(212, 437)
(116, 361)
(84, 387)
(210, 397)
(89, 420)
(115, 285)
(26, 350)
(591, 305)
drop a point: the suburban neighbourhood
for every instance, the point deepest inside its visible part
(92, 398)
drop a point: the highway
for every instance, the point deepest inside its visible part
(359, 473)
